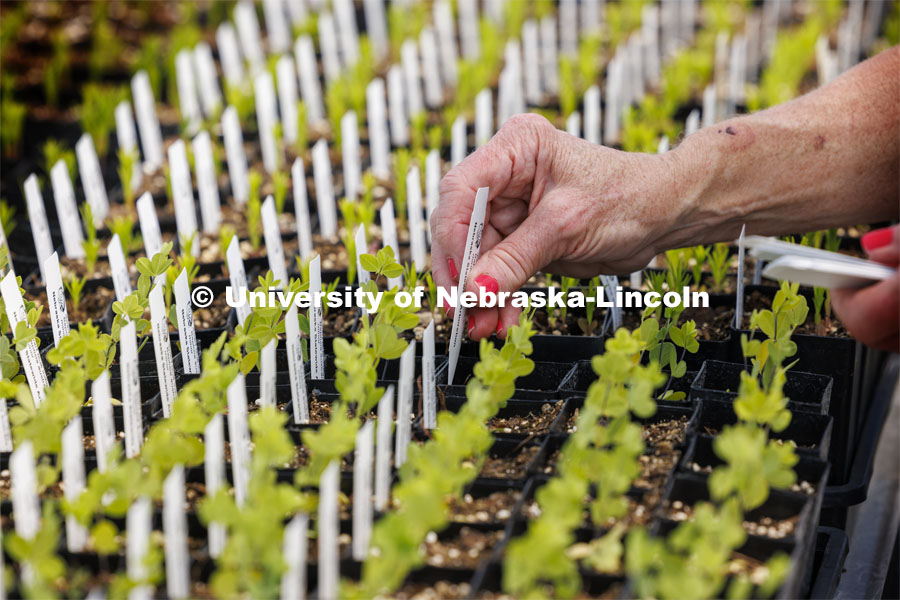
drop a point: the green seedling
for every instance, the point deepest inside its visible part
(75, 287)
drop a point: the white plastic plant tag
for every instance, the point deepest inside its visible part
(549, 59)
(214, 476)
(293, 581)
(484, 116)
(446, 33)
(611, 283)
(328, 45)
(405, 387)
(267, 120)
(325, 204)
(431, 71)
(230, 54)
(92, 178)
(286, 80)
(429, 391)
(663, 145)
(328, 532)
(614, 91)
(379, 145)
(4, 243)
(389, 237)
(739, 293)
(568, 27)
(138, 524)
(23, 490)
(692, 124)
(239, 438)
(188, 104)
(37, 218)
(119, 268)
(66, 210)
(190, 349)
(417, 246)
(397, 105)
(590, 16)
(6, 441)
(376, 27)
(277, 29)
(162, 350)
(274, 247)
(248, 34)
(207, 185)
(635, 53)
(469, 41)
(363, 472)
(301, 208)
(316, 343)
(148, 123)
(709, 106)
(573, 124)
(178, 581)
(131, 390)
(348, 34)
(74, 480)
(207, 79)
(384, 445)
(308, 70)
(592, 115)
(458, 143)
(411, 78)
(149, 224)
(30, 356)
(473, 246)
(104, 425)
(650, 39)
(531, 50)
(267, 375)
(361, 246)
(350, 155)
(432, 186)
(296, 370)
(235, 156)
(237, 277)
(126, 136)
(56, 298)
(183, 196)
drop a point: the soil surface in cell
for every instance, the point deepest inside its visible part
(509, 467)
(534, 423)
(831, 327)
(439, 590)
(93, 306)
(768, 527)
(464, 551)
(493, 508)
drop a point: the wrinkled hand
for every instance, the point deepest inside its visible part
(872, 314)
(557, 203)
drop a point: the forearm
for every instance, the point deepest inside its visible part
(829, 158)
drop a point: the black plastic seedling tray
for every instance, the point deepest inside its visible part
(541, 384)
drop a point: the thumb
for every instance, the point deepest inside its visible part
(511, 262)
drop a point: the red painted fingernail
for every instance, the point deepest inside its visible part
(878, 238)
(499, 327)
(471, 324)
(488, 283)
(454, 272)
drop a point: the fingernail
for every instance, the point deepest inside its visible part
(488, 283)
(878, 238)
(454, 272)
(471, 324)
(499, 327)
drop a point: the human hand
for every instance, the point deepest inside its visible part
(557, 203)
(872, 314)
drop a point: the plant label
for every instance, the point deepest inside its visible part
(188, 104)
(328, 531)
(568, 28)
(573, 124)
(92, 178)
(709, 106)
(412, 85)
(429, 389)
(24, 491)
(614, 92)
(6, 441)
(267, 374)
(308, 70)
(611, 283)
(214, 476)
(183, 197)
(230, 55)
(348, 34)
(207, 79)
(634, 53)
(296, 370)
(650, 39)
(383, 446)
(234, 155)
(379, 145)
(190, 349)
(363, 463)
(149, 224)
(328, 45)
(138, 524)
(324, 190)
(376, 27)
(293, 581)
(361, 246)
(74, 480)
(469, 42)
(399, 116)
(207, 185)
(350, 155)
(549, 60)
(4, 243)
(162, 350)
(473, 246)
(301, 208)
(389, 236)
(692, 123)
(104, 425)
(274, 247)
(446, 34)
(431, 70)
(56, 298)
(484, 116)
(126, 136)
(267, 120)
(237, 277)
(663, 145)
(276, 26)
(131, 390)
(433, 184)
(414, 208)
(592, 115)
(239, 438)
(67, 212)
(248, 34)
(178, 581)
(531, 49)
(148, 123)
(739, 294)
(30, 356)
(119, 268)
(404, 402)
(316, 342)
(37, 218)
(286, 80)
(458, 143)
